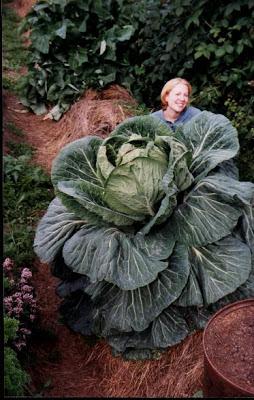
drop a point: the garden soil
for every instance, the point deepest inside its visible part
(63, 363)
(230, 346)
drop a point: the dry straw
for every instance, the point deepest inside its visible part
(96, 113)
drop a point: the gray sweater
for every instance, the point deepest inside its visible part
(185, 116)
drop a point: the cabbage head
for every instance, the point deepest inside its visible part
(150, 231)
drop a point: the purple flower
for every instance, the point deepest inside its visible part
(26, 273)
(8, 301)
(27, 297)
(17, 295)
(25, 331)
(26, 288)
(17, 310)
(8, 264)
(19, 301)
(21, 304)
(19, 344)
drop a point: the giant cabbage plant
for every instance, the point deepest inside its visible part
(150, 231)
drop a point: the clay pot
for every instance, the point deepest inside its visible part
(228, 343)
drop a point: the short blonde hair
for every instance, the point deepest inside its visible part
(169, 85)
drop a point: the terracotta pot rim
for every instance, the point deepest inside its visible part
(233, 306)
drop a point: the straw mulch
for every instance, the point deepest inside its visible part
(96, 113)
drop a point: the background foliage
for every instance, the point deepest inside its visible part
(140, 45)
(14, 54)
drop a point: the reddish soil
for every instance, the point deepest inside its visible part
(66, 361)
(230, 345)
(22, 7)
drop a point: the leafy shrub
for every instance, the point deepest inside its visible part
(20, 149)
(75, 45)
(15, 378)
(14, 53)
(243, 119)
(139, 45)
(27, 190)
(150, 231)
(10, 329)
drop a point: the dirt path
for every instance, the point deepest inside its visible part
(69, 365)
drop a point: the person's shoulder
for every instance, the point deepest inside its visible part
(189, 113)
(158, 114)
(193, 111)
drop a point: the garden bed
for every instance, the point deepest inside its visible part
(177, 374)
(229, 354)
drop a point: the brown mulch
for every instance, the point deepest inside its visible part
(96, 113)
(67, 361)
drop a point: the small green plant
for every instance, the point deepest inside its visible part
(15, 378)
(27, 190)
(26, 186)
(199, 393)
(14, 53)
(19, 149)
(14, 129)
(18, 239)
(10, 329)
(9, 83)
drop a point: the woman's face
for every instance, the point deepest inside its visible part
(178, 97)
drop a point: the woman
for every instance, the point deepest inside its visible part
(175, 97)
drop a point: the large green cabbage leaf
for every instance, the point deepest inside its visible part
(116, 257)
(211, 139)
(55, 227)
(123, 310)
(215, 271)
(150, 232)
(211, 209)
